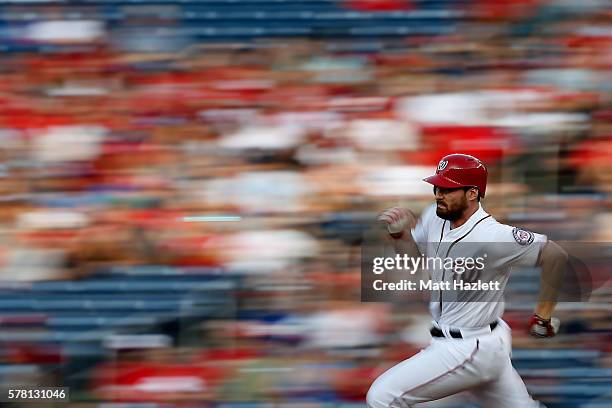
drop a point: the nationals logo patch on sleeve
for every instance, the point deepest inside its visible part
(522, 237)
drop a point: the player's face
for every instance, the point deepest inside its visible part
(451, 203)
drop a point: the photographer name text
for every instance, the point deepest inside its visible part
(404, 284)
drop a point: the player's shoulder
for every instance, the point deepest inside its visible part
(494, 227)
(500, 232)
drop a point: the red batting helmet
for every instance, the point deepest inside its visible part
(460, 170)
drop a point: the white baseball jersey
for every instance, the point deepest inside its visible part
(477, 362)
(502, 245)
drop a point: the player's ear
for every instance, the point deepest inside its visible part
(472, 194)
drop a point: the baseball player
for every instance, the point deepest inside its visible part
(471, 344)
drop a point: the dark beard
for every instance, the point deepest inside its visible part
(454, 212)
(450, 215)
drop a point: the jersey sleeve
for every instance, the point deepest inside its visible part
(513, 246)
(420, 232)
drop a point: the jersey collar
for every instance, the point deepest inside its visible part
(459, 231)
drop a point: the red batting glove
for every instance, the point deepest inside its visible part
(542, 328)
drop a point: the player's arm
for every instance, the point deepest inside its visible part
(552, 262)
(524, 248)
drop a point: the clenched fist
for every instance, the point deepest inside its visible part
(398, 221)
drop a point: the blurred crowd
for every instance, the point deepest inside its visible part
(262, 160)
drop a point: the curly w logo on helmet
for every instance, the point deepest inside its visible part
(442, 165)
